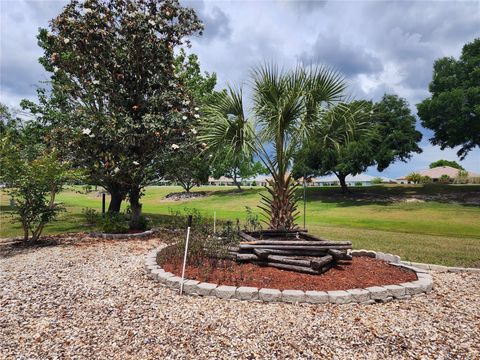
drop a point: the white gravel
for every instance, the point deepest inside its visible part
(91, 299)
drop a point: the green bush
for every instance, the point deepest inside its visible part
(253, 222)
(444, 179)
(33, 183)
(178, 220)
(143, 223)
(426, 180)
(90, 215)
(114, 223)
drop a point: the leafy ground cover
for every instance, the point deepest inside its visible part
(380, 218)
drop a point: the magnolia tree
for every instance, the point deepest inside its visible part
(116, 107)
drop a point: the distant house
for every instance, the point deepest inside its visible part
(436, 173)
(226, 181)
(357, 180)
(221, 181)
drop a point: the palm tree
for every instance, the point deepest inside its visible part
(286, 107)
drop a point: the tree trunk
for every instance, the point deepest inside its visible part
(187, 186)
(343, 184)
(237, 184)
(136, 209)
(116, 198)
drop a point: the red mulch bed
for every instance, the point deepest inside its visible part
(361, 272)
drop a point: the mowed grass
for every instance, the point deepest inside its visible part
(436, 232)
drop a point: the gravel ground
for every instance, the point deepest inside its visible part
(86, 299)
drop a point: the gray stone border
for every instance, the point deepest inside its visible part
(370, 295)
(121, 236)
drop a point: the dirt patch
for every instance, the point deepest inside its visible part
(185, 196)
(362, 272)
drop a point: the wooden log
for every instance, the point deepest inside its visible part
(261, 253)
(247, 257)
(296, 242)
(295, 247)
(291, 252)
(318, 264)
(288, 260)
(337, 254)
(312, 237)
(276, 231)
(296, 268)
(246, 236)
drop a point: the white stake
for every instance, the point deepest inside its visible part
(214, 222)
(186, 250)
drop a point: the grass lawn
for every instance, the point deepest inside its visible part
(433, 231)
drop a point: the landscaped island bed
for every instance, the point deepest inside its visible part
(91, 298)
(362, 272)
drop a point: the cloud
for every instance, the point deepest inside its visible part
(216, 22)
(380, 46)
(348, 58)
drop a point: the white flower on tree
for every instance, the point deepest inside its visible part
(136, 163)
(184, 117)
(66, 40)
(196, 116)
(116, 170)
(175, 146)
(86, 131)
(194, 132)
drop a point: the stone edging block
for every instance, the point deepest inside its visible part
(121, 236)
(370, 295)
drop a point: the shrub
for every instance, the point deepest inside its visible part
(377, 180)
(426, 179)
(178, 220)
(414, 177)
(143, 223)
(254, 183)
(358, 183)
(252, 222)
(33, 183)
(462, 177)
(444, 179)
(91, 216)
(114, 223)
(474, 180)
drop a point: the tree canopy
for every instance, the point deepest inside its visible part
(450, 163)
(378, 135)
(453, 110)
(116, 106)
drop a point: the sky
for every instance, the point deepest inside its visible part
(381, 47)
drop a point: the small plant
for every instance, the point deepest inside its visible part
(91, 216)
(426, 180)
(114, 223)
(444, 179)
(462, 177)
(252, 222)
(143, 223)
(178, 220)
(358, 183)
(377, 180)
(414, 177)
